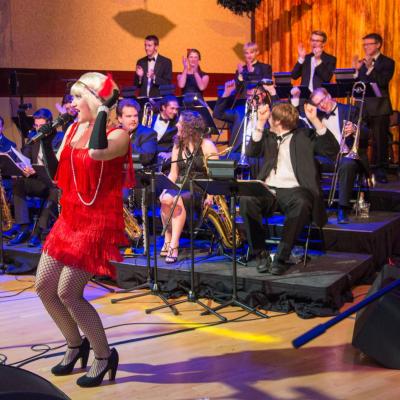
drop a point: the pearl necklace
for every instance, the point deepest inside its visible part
(91, 202)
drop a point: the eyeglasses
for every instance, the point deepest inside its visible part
(323, 100)
(369, 44)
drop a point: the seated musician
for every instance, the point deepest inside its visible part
(243, 118)
(191, 128)
(5, 147)
(33, 185)
(334, 115)
(164, 123)
(289, 171)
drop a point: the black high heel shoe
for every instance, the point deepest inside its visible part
(111, 367)
(83, 354)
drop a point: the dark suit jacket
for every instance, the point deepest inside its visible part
(144, 143)
(381, 74)
(343, 110)
(234, 117)
(261, 71)
(162, 71)
(6, 144)
(302, 150)
(322, 73)
(166, 142)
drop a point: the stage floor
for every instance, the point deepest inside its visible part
(195, 357)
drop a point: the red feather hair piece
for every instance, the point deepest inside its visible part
(106, 90)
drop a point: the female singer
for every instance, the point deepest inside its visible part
(192, 79)
(90, 175)
(191, 128)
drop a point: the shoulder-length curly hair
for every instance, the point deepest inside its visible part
(193, 126)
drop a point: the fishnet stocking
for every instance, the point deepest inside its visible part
(97, 367)
(61, 290)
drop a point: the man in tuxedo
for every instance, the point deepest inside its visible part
(334, 115)
(5, 143)
(252, 69)
(378, 68)
(33, 185)
(153, 70)
(143, 139)
(164, 123)
(290, 173)
(241, 118)
(317, 66)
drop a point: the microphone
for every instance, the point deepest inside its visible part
(60, 120)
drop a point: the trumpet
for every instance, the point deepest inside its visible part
(359, 88)
(147, 117)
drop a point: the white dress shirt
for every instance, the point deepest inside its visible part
(160, 127)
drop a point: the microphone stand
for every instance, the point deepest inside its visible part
(192, 296)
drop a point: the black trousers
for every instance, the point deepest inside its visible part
(296, 205)
(379, 127)
(348, 170)
(32, 186)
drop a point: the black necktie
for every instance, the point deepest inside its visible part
(279, 140)
(151, 59)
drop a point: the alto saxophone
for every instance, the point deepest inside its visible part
(222, 222)
(5, 209)
(132, 227)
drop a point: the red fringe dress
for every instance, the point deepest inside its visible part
(87, 236)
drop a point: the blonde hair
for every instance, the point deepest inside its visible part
(88, 87)
(251, 46)
(286, 114)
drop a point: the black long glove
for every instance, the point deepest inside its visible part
(50, 159)
(98, 139)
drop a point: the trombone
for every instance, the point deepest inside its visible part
(359, 88)
(147, 117)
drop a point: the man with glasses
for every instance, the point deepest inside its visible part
(334, 117)
(317, 66)
(377, 68)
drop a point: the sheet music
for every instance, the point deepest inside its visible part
(23, 161)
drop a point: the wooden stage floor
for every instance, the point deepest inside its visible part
(193, 357)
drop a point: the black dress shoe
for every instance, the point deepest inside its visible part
(34, 241)
(111, 368)
(83, 354)
(20, 238)
(278, 267)
(342, 217)
(263, 262)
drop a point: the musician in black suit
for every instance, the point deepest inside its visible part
(378, 68)
(333, 115)
(317, 66)
(252, 69)
(290, 172)
(153, 70)
(240, 118)
(143, 139)
(33, 185)
(5, 143)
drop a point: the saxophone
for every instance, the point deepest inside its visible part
(221, 220)
(5, 209)
(132, 227)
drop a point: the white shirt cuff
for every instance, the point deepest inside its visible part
(300, 60)
(295, 101)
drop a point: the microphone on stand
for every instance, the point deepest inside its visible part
(41, 134)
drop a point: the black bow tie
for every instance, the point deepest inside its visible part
(163, 119)
(151, 59)
(279, 138)
(329, 114)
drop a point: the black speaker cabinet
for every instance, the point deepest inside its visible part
(18, 384)
(377, 328)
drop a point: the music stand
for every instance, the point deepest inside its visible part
(152, 179)
(7, 168)
(344, 89)
(234, 188)
(283, 91)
